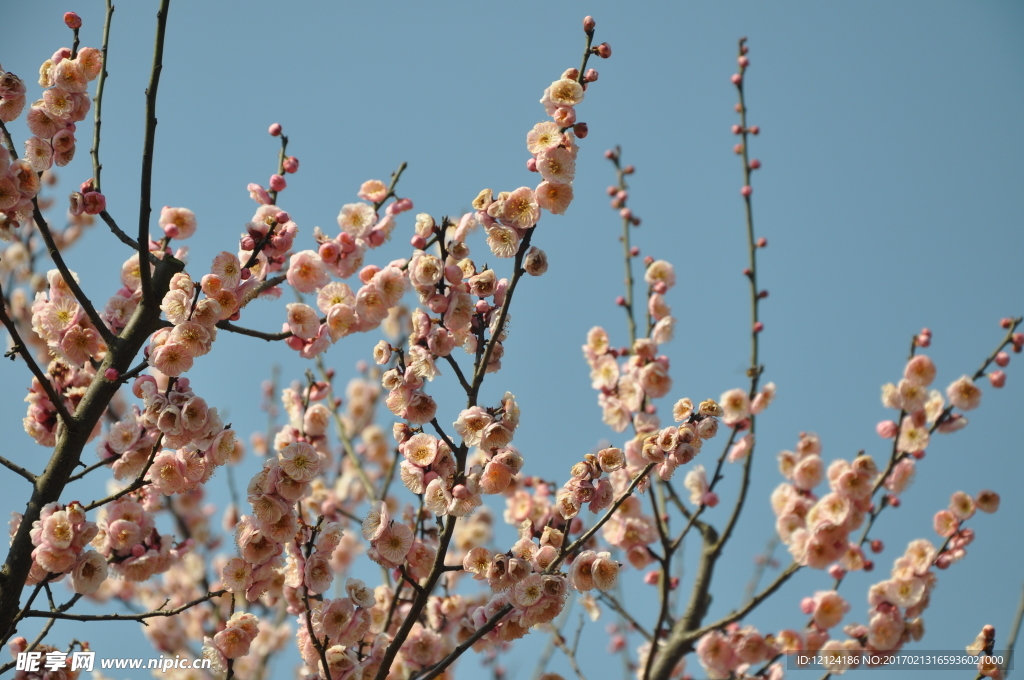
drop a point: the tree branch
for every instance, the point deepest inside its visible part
(145, 192)
(14, 467)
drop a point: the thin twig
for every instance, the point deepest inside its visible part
(145, 192)
(14, 467)
(34, 613)
(97, 167)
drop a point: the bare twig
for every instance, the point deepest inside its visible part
(141, 618)
(14, 467)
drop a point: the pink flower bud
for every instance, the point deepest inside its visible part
(400, 206)
(376, 238)
(758, 327)
(997, 378)
(278, 183)
(330, 251)
(894, 501)
(564, 116)
(294, 342)
(737, 129)
(648, 261)
(747, 190)
(282, 217)
(1018, 342)
(743, 62)
(246, 242)
(738, 149)
(1002, 359)
(581, 130)
(736, 79)
(76, 203)
(923, 340)
(72, 20)
(763, 294)
(762, 242)
(887, 429)
(611, 191)
(755, 164)
(482, 306)
(943, 561)
(869, 565)
(438, 303)
(275, 130)
(111, 374)
(746, 271)
(836, 571)
(460, 492)
(604, 50)
(626, 214)
(755, 130)
(610, 154)
(453, 274)
(634, 251)
(291, 164)
(651, 578)
(591, 75)
(877, 546)
(95, 203)
(531, 164)
(418, 242)
(367, 272)
(629, 170)
(620, 301)
(710, 499)
(589, 24)
(1006, 322)
(807, 605)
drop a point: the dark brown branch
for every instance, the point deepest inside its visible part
(97, 167)
(21, 348)
(470, 641)
(141, 618)
(121, 236)
(145, 192)
(241, 330)
(14, 467)
(62, 267)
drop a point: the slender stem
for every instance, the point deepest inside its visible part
(621, 611)
(32, 613)
(145, 192)
(461, 649)
(14, 467)
(241, 330)
(44, 381)
(1014, 632)
(567, 549)
(69, 279)
(97, 167)
(116, 231)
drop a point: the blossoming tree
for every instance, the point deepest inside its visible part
(382, 471)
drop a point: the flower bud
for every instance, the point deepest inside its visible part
(755, 164)
(111, 374)
(278, 183)
(604, 50)
(591, 75)
(747, 190)
(736, 79)
(291, 164)
(581, 130)
(589, 24)
(72, 20)
(275, 130)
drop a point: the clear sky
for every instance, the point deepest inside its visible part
(889, 195)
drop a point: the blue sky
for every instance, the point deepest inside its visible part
(889, 195)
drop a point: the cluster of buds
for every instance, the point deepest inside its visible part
(626, 391)
(270, 234)
(340, 624)
(816, 530)
(261, 537)
(394, 545)
(61, 322)
(173, 350)
(673, 446)
(60, 537)
(722, 652)
(194, 430)
(233, 641)
(129, 541)
(982, 646)
(71, 383)
(65, 102)
(87, 200)
(587, 485)
(344, 312)
(925, 409)
(518, 578)
(19, 184)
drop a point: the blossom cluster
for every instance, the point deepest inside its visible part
(129, 541)
(70, 383)
(60, 536)
(729, 653)
(233, 641)
(816, 530)
(19, 184)
(60, 321)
